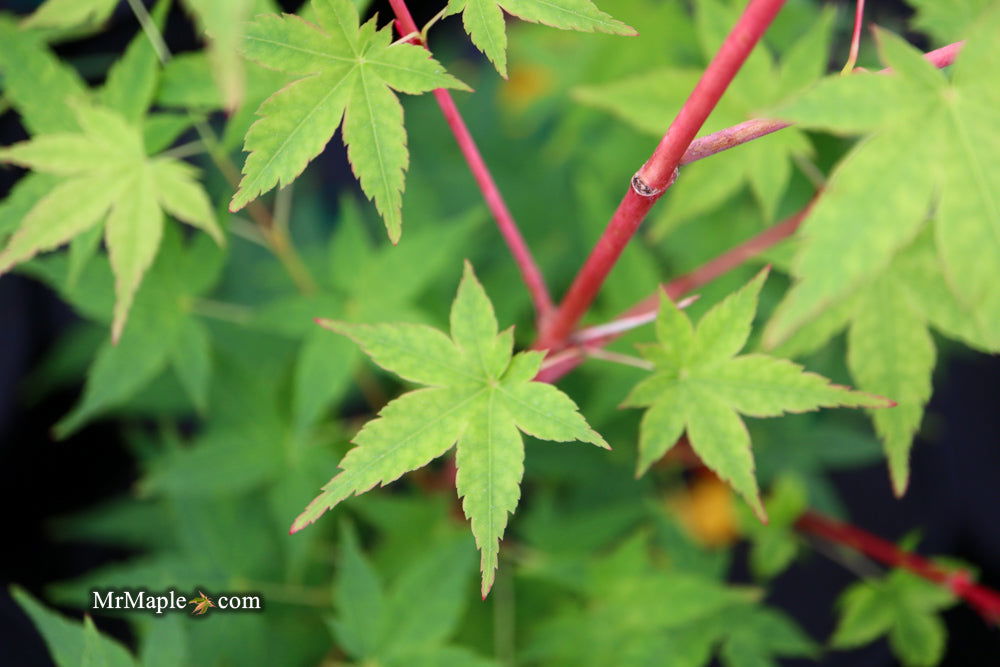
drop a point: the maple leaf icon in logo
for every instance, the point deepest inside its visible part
(202, 603)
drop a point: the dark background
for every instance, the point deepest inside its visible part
(954, 493)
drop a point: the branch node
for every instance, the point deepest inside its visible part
(644, 189)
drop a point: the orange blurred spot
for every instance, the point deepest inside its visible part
(526, 84)
(706, 510)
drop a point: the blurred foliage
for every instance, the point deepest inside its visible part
(237, 408)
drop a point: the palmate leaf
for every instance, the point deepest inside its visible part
(381, 624)
(35, 82)
(46, 94)
(890, 350)
(132, 80)
(70, 13)
(348, 73)
(621, 617)
(774, 545)
(162, 332)
(477, 395)
(484, 21)
(947, 21)
(932, 146)
(106, 178)
(71, 642)
(901, 605)
(699, 384)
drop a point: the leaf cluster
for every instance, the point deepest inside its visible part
(235, 406)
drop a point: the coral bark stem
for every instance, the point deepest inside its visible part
(530, 273)
(984, 600)
(659, 171)
(702, 148)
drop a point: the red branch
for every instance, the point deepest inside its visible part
(731, 137)
(530, 272)
(570, 358)
(659, 171)
(859, 19)
(984, 600)
(710, 144)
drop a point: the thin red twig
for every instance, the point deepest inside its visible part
(701, 148)
(530, 272)
(859, 19)
(749, 130)
(658, 172)
(984, 600)
(730, 137)
(572, 357)
(728, 260)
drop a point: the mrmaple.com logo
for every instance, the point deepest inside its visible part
(127, 600)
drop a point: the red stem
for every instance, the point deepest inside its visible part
(984, 600)
(706, 273)
(701, 148)
(756, 18)
(530, 272)
(659, 171)
(731, 137)
(859, 19)
(728, 260)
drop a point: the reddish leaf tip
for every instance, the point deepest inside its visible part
(330, 325)
(886, 402)
(761, 512)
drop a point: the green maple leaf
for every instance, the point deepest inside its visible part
(621, 618)
(35, 82)
(63, 14)
(701, 386)
(484, 21)
(649, 102)
(348, 73)
(108, 179)
(901, 605)
(162, 332)
(759, 635)
(377, 622)
(890, 350)
(931, 146)
(947, 21)
(46, 94)
(69, 641)
(477, 395)
(773, 546)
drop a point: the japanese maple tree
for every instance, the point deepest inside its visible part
(797, 205)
